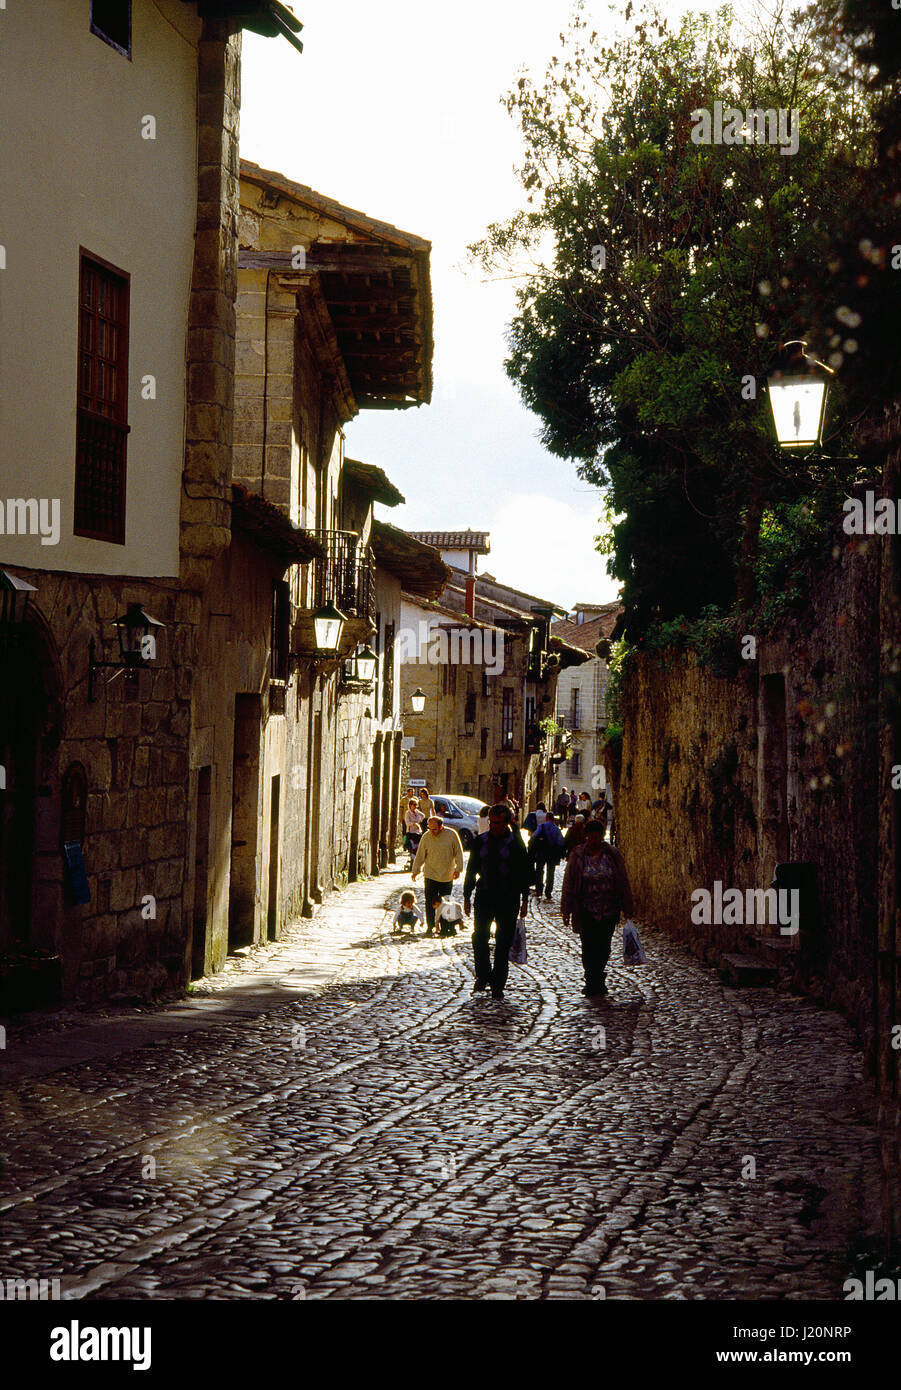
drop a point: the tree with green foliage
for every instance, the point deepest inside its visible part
(677, 269)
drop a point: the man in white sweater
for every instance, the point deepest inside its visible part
(440, 857)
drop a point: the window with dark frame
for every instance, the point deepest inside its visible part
(483, 751)
(102, 425)
(469, 716)
(111, 21)
(388, 673)
(507, 720)
(281, 631)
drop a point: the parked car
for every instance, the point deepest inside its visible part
(461, 813)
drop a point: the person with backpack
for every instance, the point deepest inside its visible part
(596, 890)
(546, 849)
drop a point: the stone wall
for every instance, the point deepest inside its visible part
(132, 743)
(720, 778)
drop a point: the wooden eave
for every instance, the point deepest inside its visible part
(267, 17)
(270, 530)
(319, 333)
(420, 568)
(372, 482)
(569, 655)
(376, 287)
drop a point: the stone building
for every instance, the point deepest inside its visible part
(581, 694)
(295, 758)
(488, 665)
(118, 318)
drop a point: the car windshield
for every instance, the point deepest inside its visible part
(467, 804)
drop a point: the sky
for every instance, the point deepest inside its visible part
(395, 110)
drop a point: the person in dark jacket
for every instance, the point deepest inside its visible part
(498, 873)
(546, 849)
(574, 836)
(596, 890)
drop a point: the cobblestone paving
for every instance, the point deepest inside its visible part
(394, 1137)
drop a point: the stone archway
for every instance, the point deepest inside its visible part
(30, 734)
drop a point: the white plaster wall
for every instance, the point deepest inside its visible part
(74, 171)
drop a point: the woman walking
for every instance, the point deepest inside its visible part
(413, 819)
(596, 890)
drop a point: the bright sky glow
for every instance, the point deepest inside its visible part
(395, 109)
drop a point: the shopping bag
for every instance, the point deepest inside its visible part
(518, 953)
(632, 952)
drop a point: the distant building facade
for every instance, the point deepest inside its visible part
(581, 692)
(486, 661)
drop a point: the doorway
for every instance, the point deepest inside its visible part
(245, 821)
(30, 807)
(773, 771)
(376, 822)
(272, 904)
(353, 866)
(201, 874)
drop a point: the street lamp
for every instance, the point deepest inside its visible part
(798, 388)
(328, 623)
(14, 593)
(366, 662)
(134, 628)
(417, 701)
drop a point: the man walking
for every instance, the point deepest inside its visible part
(440, 857)
(499, 872)
(546, 849)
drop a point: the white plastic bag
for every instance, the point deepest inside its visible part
(518, 953)
(632, 952)
(449, 915)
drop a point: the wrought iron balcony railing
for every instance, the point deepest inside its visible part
(345, 574)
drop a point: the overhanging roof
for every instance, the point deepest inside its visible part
(419, 567)
(365, 477)
(267, 17)
(569, 655)
(268, 527)
(375, 283)
(456, 540)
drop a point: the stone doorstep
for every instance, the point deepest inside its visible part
(744, 971)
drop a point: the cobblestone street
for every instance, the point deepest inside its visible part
(388, 1135)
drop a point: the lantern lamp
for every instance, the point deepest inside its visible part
(14, 595)
(133, 628)
(328, 623)
(366, 663)
(798, 388)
